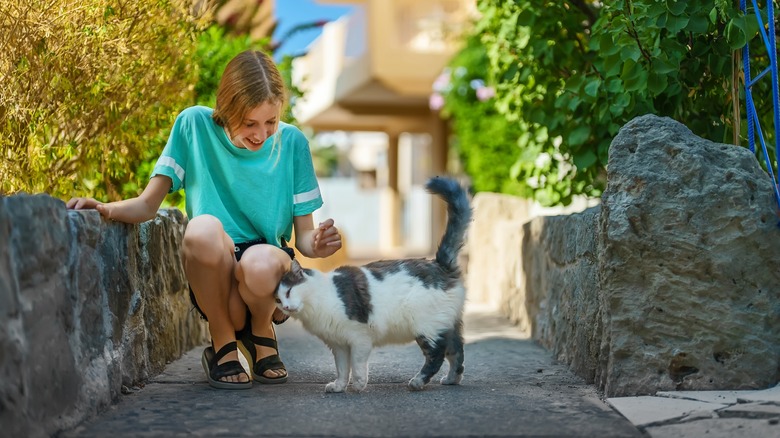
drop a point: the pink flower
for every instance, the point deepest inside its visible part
(485, 93)
(436, 101)
(442, 82)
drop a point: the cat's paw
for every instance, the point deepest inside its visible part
(416, 384)
(447, 380)
(335, 387)
(359, 385)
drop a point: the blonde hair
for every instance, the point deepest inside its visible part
(250, 79)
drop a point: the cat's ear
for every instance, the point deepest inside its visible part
(295, 268)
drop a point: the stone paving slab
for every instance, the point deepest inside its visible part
(647, 410)
(767, 395)
(727, 397)
(753, 410)
(704, 413)
(717, 428)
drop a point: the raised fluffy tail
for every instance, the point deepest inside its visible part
(458, 219)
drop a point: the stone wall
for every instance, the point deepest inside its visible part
(86, 307)
(670, 284)
(561, 290)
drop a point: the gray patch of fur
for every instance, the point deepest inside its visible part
(431, 274)
(459, 215)
(295, 276)
(383, 267)
(352, 286)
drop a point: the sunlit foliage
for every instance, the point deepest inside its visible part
(568, 74)
(88, 90)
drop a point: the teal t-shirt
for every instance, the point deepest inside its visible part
(253, 194)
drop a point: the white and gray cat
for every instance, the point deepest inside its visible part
(354, 309)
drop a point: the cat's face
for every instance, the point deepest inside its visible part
(288, 294)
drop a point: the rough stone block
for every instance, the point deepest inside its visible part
(690, 300)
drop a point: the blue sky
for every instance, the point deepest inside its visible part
(290, 13)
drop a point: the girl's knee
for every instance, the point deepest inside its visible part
(202, 226)
(261, 268)
(204, 239)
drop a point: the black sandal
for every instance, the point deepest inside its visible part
(272, 362)
(215, 371)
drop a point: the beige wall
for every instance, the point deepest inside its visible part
(373, 71)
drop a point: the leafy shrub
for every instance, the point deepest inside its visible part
(485, 140)
(568, 75)
(88, 89)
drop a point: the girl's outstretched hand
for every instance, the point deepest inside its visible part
(327, 239)
(87, 204)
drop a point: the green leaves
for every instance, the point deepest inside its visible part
(634, 76)
(578, 136)
(88, 88)
(585, 159)
(736, 33)
(565, 85)
(657, 83)
(592, 88)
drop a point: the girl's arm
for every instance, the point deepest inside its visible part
(133, 210)
(322, 241)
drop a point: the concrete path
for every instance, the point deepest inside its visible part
(511, 387)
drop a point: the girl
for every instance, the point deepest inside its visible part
(249, 180)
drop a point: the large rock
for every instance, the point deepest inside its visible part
(671, 284)
(86, 306)
(688, 252)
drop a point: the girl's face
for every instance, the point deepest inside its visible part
(259, 123)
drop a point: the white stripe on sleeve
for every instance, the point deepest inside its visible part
(300, 198)
(170, 162)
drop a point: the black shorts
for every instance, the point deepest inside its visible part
(239, 251)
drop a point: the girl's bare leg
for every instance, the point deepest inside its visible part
(209, 264)
(258, 273)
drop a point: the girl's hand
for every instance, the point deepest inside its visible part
(327, 239)
(88, 204)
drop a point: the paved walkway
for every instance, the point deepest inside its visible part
(511, 387)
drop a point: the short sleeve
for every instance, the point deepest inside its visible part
(306, 191)
(173, 160)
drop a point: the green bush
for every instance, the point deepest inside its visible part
(567, 75)
(89, 89)
(483, 137)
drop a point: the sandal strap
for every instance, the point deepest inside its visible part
(272, 362)
(262, 341)
(230, 368)
(230, 346)
(217, 370)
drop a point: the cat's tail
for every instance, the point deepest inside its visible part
(458, 219)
